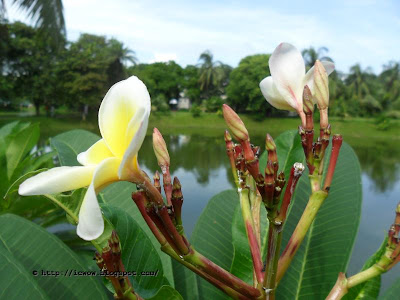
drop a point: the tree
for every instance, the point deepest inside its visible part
(31, 63)
(119, 56)
(310, 55)
(48, 14)
(160, 78)
(210, 75)
(191, 83)
(364, 90)
(243, 89)
(390, 79)
(85, 71)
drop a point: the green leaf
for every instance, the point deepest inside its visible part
(119, 194)
(185, 281)
(8, 129)
(138, 253)
(42, 161)
(15, 281)
(166, 293)
(69, 144)
(370, 289)
(20, 146)
(12, 191)
(38, 250)
(326, 248)
(212, 237)
(393, 291)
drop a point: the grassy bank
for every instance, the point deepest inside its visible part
(355, 131)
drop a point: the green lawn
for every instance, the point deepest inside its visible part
(355, 131)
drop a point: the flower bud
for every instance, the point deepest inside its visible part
(321, 85)
(308, 104)
(235, 124)
(160, 148)
(269, 143)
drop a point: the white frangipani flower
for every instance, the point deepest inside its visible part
(284, 88)
(123, 120)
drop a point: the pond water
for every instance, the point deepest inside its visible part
(201, 165)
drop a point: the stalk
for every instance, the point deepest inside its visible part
(250, 232)
(198, 263)
(343, 285)
(313, 205)
(218, 284)
(204, 264)
(274, 242)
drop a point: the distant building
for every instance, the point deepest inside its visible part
(184, 103)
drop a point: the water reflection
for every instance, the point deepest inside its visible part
(204, 158)
(381, 162)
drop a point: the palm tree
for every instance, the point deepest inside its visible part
(310, 55)
(119, 57)
(210, 74)
(390, 78)
(49, 15)
(357, 81)
(122, 53)
(364, 87)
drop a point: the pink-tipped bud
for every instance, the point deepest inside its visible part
(235, 124)
(227, 136)
(269, 143)
(160, 149)
(321, 85)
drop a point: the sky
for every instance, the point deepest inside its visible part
(354, 31)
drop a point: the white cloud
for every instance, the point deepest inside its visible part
(180, 30)
(164, 57)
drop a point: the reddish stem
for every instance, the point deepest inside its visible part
(160, 225)
(108, 260)
(140, 201)
(163, 213)
(337, 141)
(222, 275)
(218, 284)
(295, 174)
(255, 252)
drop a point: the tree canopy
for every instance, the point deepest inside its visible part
(78, 74)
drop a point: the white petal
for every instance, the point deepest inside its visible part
(309, 78)
(57, 180)
(287, 69)
(95, 154)
(117, 110)
(91, 224)
(137, 129)
(272, 95)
